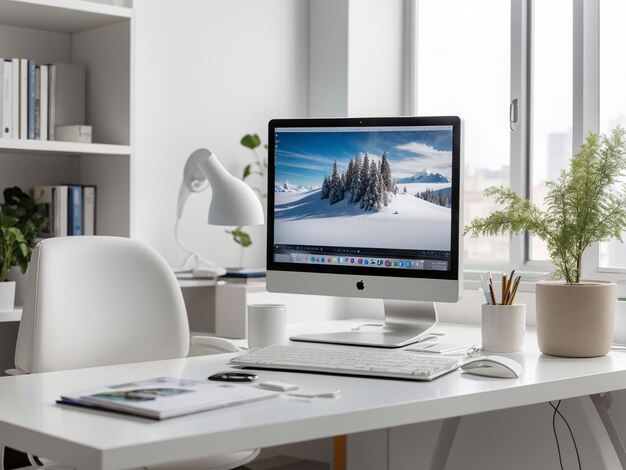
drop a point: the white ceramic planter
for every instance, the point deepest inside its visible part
(575, 320)
(7, 295)
(15, 274)
(503, 327)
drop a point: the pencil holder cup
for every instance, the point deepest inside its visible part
(503, 327)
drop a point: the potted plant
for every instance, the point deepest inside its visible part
(20, 222)
(585, 205)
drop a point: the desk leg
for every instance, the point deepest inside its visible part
(603, 431)
(339, 453)
(444, 443)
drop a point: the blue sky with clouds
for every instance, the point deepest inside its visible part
(303, 158)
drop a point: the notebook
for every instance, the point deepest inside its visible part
(165, 397)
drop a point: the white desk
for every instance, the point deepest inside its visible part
(30, 420)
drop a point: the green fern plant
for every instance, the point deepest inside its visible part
(584, 205)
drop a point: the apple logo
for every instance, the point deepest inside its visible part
(360, 285)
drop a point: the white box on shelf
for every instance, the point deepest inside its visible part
(231, 300)
(77, 133)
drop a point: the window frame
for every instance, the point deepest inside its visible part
(586, 118)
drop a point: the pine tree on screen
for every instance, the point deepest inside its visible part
(355, 185)
(325, 188)
(365, 180)
(385, 173)
(335, 186)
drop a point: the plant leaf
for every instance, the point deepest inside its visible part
(246, 171)
(240, 237)
(251, 141)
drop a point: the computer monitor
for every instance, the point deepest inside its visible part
(367, 208)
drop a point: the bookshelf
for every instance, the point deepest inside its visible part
(51, 147)
(98, 36)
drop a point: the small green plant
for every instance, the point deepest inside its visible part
(585, 205)
(20, 222)
(257, 167)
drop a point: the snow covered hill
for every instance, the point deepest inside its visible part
(413, 188)
(424, 176)
(287, 187)
(407, 222)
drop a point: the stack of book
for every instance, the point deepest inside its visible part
(35, 99)
(70, 209)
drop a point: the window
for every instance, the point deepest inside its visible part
(551, 104)
(476, 58)
(463, 57)
(612, 97)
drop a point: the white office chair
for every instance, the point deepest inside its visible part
(96, 301)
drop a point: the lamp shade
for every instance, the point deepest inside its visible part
(233, 201)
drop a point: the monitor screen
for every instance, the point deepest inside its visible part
(377, 196)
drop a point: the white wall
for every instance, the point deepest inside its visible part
(375, 72)
(356, 58)
(206, 73)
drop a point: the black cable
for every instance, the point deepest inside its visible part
(571, 433)
(556, 436)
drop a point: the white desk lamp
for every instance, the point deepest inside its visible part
(233, 203)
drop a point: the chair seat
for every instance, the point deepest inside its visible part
(217, 462)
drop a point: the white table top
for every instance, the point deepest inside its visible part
(30, 419)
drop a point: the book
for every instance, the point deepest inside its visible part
(66, 96)
(89, 210)
(37, 103)
(60, 200)
(7, 99)
(31, 98)
(244, 273)
(74, 133)
(166, 397)
(15, 101)
(43, 124)
(23, 98)
(75, 210)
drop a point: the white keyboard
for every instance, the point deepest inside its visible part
(348, 360)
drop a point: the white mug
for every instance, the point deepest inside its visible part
(503, 327)
(267, 324)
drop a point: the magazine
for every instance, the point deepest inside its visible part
(166, 397)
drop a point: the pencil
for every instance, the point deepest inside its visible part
(493, 296)
(517, 282)
(504, 287)
(485, 289)
(509, 288)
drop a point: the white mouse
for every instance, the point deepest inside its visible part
(493, 366)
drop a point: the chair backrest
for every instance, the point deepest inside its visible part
(94, 301)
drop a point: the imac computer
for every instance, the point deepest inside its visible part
(367, 208)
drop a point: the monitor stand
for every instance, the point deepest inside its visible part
(405, 322)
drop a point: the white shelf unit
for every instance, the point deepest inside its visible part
(11, 315)
(97, 36)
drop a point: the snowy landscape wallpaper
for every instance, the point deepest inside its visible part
(386, 189)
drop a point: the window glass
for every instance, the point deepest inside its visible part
(551, 99)
(463, 68)
(612, 96)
